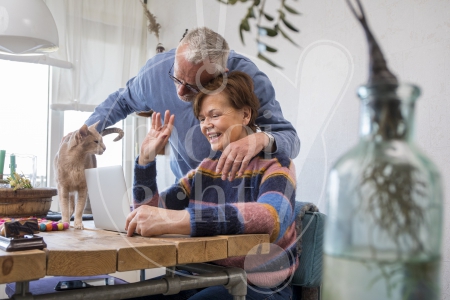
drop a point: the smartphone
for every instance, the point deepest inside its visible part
(79, 284)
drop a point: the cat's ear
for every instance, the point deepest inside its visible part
(78, 136)
(94, 126)
(84, 131)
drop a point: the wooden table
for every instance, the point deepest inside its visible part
(95, 252)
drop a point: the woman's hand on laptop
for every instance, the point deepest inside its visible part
(150, 220)
(157, 137)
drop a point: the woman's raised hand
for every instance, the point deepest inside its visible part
(156, 138)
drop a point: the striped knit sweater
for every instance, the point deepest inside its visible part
(260, 201)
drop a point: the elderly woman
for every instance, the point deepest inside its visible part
(259, 200)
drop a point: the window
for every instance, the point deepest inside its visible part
(73, 120)
(23, 121)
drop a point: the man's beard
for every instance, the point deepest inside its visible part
(187, 98)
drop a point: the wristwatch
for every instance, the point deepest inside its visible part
(268, 148)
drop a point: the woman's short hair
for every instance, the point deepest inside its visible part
(238, 87)
(203, 43)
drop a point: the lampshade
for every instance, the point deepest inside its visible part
(27, 27)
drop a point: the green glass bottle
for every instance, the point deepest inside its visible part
(384, 226)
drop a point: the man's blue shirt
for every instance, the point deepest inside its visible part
(153, 89)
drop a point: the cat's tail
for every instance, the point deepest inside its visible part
(113, 130)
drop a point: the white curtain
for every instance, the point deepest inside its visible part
(105, 40)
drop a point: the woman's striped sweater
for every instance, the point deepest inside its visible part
(260, 201)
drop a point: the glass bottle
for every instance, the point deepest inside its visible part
(384, 225)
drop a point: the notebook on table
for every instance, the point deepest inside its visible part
(109, 198)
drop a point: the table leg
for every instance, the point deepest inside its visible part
(234, 279)
(170, 271)
(237, 278)
(238, 283)
(22, 290)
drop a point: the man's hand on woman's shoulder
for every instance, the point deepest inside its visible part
(237, 155)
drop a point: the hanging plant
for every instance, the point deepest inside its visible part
(278, 24)
(153, 26)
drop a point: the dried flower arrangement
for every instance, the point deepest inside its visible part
(17, 182)
(153, 26)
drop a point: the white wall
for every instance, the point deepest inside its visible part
(317, 87)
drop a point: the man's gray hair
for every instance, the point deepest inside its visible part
(205, 44)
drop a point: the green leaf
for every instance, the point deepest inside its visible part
(243, 0)
(291, 10)
(262, 57)
(256, 2)
(267, 47)
(269, 31)
(270, 49)
(250, 13)
(245, 25)
(289, 25)
(232, 2)
(287, 37)
(268, 17)
(241, 34)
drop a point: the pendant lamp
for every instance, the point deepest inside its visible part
(27, 27)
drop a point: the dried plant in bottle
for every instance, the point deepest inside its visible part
(391, 190)
(385, 198)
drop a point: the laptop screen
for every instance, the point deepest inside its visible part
(109, 198)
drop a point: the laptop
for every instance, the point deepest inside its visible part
(109, 198)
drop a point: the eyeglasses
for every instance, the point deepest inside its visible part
(191, 87)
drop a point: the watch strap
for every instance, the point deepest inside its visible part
(268, 148)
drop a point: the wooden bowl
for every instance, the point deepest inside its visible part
(33, 202)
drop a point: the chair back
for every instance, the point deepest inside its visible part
(309, 272)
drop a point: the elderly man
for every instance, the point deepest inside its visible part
(170, 81)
